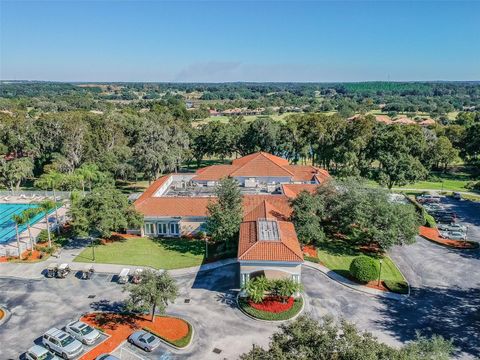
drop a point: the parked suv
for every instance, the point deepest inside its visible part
(82, 332)
(62, 343)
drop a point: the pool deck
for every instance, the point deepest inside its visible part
(10, 248)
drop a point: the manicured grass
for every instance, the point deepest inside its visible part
(159, 254)
(337, 256)
(266, 315)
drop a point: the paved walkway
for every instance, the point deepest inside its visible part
(35, 271)
(353, 285)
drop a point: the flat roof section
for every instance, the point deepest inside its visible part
(268, 230)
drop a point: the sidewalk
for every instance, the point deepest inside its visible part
(349, 283)
(33, 271)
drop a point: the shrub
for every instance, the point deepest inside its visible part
(429, 220)
(364, 269)
(42, 237)
(400, 287)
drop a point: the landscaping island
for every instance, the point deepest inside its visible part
(172, 330)
(338, 256)
(271, 309)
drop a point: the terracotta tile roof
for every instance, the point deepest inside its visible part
(260, 164)
(277, 206)
(148, 193)
(383, 118)
(174, 206)
(245, 159)
(214, 172)
(292, 190)
(302, 172)
(263, 165)
(285, 249)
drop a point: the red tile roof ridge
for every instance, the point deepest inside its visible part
(281, 167)
(152, 189)
(273, 158)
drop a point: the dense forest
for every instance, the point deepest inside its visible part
(107, 132)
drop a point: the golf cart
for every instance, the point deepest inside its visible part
(123, 276)
(52, 270)
(87, 271)
(63, 270)
(137, 276)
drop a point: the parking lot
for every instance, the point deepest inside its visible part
(445, 300)
(456, 219)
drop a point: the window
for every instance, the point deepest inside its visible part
(174, 229)
(162, 228)
(149, 228)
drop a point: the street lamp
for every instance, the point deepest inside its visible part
(380, 272)
(93, 248)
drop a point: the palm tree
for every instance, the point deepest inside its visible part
(19, 221)
(88, 173)
(46, 206)
(51, 180)
(28, 215)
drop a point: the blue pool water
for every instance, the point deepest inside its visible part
(7, 225)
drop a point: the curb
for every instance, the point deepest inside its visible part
(452, 247)
(356, 287)
(170, 344)
(271, 321)
(6, 315)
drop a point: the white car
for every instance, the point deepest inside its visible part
(82, 332)
(457, 227)
(62, 343)
(37, 352)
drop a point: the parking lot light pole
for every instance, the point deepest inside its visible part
(380, 272)
(93, 248)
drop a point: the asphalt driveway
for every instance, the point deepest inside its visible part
(445, 300)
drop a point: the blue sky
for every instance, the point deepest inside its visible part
(239, 40)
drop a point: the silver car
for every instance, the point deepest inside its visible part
(457, 235)
(37, 352)
(457, 227)
(62, 343)
(82, 332)
(144, 340)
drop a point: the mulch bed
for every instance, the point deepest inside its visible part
(310, 250)
(433, 235)
(120, 326)
(272, 304)
(26, 256)
(374, 285)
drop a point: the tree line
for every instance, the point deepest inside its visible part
(131, 144)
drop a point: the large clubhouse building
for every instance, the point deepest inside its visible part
(176, 205)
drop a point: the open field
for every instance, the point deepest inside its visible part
(159, 254)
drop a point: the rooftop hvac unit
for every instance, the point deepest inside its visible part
(250, 182)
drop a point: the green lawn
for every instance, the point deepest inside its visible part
(159, 254)
(337, 256)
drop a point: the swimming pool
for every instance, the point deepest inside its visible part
(7, 225)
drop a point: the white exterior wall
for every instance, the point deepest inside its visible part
(161, 226)
(249, 267)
